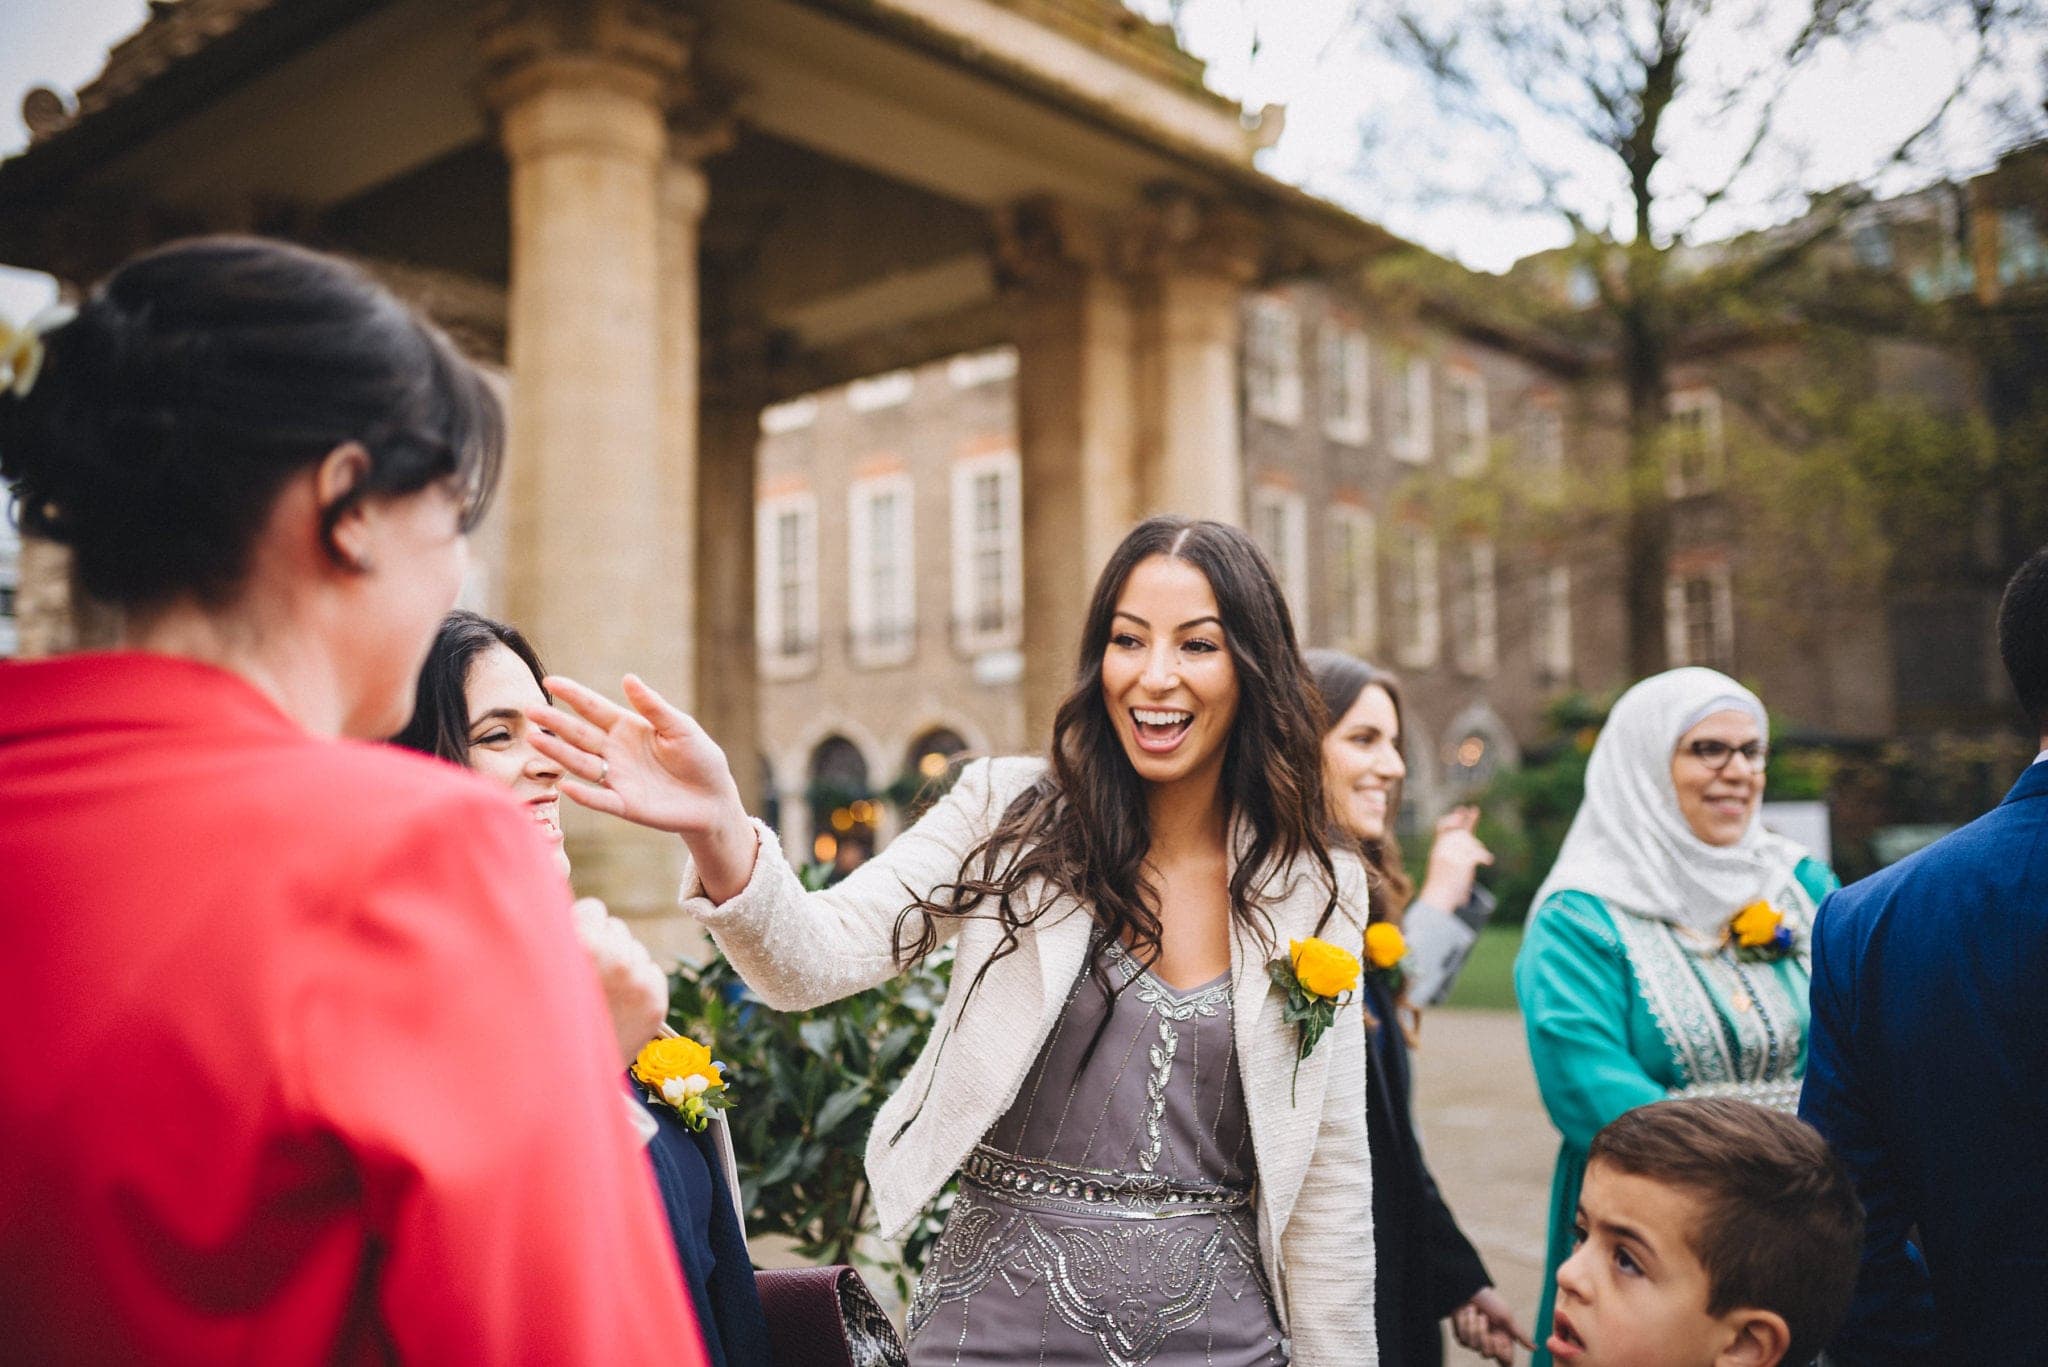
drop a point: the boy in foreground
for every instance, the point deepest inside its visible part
(1712, 1233)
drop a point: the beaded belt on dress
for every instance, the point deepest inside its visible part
(1042, 1183)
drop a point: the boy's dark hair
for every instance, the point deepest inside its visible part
(1779, 1227)
(2023, 635)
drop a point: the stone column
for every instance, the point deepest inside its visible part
(51, 614)
(582, 91)
(728, 696)
(1192, 263)
(684, 194)
(1075, 431)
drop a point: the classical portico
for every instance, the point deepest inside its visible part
(658, 216)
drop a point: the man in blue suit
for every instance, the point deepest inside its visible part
(1928, 1069)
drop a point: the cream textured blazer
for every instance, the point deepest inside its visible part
(799, 950)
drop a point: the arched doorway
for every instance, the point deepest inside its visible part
(842, 799)
(928, 771)
(1477, 746)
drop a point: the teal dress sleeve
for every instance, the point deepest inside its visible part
(1817, 878)
(1576, 990)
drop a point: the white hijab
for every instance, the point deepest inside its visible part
(1630, 845)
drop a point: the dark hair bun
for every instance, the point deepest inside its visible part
(197, 380)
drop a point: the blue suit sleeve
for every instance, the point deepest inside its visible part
(1891, 1320)
(1573, 981)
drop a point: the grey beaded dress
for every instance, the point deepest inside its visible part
(1108, 1217)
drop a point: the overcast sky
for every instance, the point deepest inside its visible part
(1851, 109)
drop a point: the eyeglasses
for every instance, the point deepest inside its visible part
(1715, 754)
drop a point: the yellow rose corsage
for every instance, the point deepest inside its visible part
(1317, 977)
(679, 1073)
(1386, 949)
(1760, 933)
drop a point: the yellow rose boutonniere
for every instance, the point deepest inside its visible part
(1385, 949)
(1317, 977)
(678, 1072)
(1760, 933)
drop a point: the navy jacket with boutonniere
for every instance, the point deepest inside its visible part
(709, 1241)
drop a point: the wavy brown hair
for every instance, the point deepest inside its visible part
(1339, 679)
(1083, 827)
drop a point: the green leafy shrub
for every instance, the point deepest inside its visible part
(806, 1086)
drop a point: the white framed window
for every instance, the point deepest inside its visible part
(988, 552)
(1355, 586)
(1475, 608)
(1410, 399)
(2021, 253)
(1695, 461)
(881, 570)
(1347, 416)
(1699, 616)
(1469, 423)
(982, 367)
(1546, 444)
(1553, 634)
(10, 579)
(1272, 367)
(780, 419)
(1581, 287)
(1280, 527)
(889, 390)
(1413, 602)
(786, 582)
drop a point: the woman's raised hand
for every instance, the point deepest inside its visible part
(1454, 860)
(652, 765)
(635, 988)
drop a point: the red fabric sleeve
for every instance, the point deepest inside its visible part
(453, 1039)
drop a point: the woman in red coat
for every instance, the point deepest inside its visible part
(298, 1062)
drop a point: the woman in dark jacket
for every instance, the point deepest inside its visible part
(1428, 1269)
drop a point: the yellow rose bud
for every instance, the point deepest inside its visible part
(678, 1058)
(1384, 944)
(1755, 924)
(1323, 969)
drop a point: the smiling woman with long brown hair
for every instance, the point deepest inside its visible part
(1428, 1270)
(1153, 1168)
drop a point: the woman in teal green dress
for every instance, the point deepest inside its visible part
(1668, 954)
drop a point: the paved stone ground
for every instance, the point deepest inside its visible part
(1489, 1143)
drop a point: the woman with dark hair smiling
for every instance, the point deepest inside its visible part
(1149, 1070)
(478, 681)
(469, 709)
(255, 1103)
(1428, 1270)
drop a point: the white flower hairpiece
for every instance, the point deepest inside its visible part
(22, 350)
